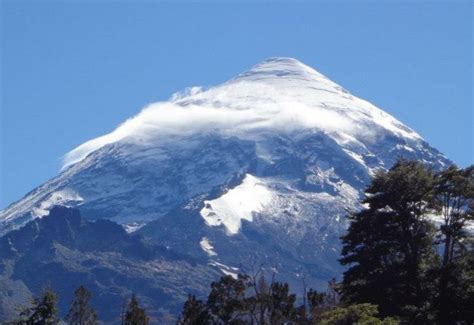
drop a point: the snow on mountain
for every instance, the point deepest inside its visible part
(207, 246)
(237, 204)
(262, 167)
(280, 94)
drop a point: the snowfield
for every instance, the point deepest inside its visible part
(237, 204)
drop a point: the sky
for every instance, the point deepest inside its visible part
(72, 71)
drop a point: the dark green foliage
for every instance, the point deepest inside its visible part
(43, 310)
(388, 245)
(319, 302)
(194, 312)
(227, 301)
(316, 303)
(361, 314)
(248, 301)
(282, 308)
(455, 300)
(271, 303)
(81, 313)
(135, 315)
(454, 190)
(391, 247)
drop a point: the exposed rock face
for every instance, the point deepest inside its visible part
(64, 250)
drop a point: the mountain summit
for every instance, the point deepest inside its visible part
(259, 170)
(279, 94)
(278, 67)
(278, 98)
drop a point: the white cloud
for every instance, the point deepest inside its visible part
(260, 100)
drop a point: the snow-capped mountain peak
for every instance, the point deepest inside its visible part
(259, 170)
(281, 122)
(278, 95)
(278, 67)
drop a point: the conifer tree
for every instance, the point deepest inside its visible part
(388, 246)
(80, 312)
(135, 315)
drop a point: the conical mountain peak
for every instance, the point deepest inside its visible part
(279, 67)
(279, 98)
(273, 158)
(279, 95)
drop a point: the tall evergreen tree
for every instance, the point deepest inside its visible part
(454, 189)
(135, 315)
(388, 246)
(80, 312)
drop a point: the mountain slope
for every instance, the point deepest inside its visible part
(254, 118)
(259, 170)
(65, 250)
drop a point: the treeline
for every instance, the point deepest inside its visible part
(44, 311)
(410, 250)
(409, 256)
(233, 300)
(251, 300)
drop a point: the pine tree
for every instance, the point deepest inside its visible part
(454, 189)
(388, 246)
(80, 312)
(43, 311)
(135, 315)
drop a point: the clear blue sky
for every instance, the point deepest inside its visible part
(72, 71)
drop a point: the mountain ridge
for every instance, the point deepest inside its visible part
(66, 249)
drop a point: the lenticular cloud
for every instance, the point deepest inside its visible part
(279, 94)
